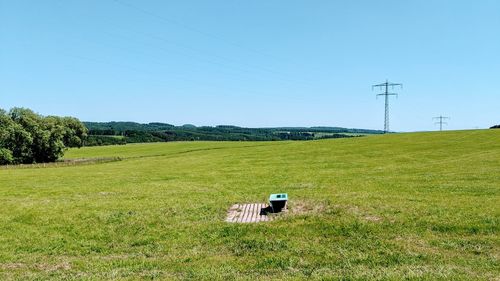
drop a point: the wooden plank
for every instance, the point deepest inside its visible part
(250, 213)
(237, 213)
(232, 213)
(255, 212)
(243, 213)
(247, 213)
(263, 217)
(253, 218)
(240, 218)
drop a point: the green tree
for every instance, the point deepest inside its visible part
(15, 142)
(75, 132)
(28, 137)
(34, 125)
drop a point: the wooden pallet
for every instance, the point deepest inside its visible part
(247, 213)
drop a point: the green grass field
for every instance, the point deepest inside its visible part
(415, 206)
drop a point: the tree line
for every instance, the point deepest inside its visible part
(111, 133)
(27, 137)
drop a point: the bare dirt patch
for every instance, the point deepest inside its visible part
(14, 265)
(372, 218)
(39, 266)
(105, 193)
(302, 185)
(54, 267)
(63, 163)
(302, 207)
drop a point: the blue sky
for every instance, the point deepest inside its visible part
(253, 63)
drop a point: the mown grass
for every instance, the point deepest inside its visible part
(414, 206)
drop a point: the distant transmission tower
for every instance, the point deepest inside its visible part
(385, 86)
(441, 121)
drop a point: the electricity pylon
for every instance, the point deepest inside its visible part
(386, 94)
(440, 122)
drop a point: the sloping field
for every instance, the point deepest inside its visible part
(419, 205)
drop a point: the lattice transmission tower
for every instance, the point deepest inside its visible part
(441, 121)
(385, 86)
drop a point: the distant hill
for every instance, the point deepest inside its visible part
(124, 126)
(495, 127)
(105, 133)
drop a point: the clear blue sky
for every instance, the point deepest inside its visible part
(253, 63)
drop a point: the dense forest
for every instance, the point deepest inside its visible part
(27, 137)
(495, 127)
(108, 133)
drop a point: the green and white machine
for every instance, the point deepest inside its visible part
(278, 201)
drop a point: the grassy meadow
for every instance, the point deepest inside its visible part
(389, 207)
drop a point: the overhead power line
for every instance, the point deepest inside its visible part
(281, 76)
(188, 27)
